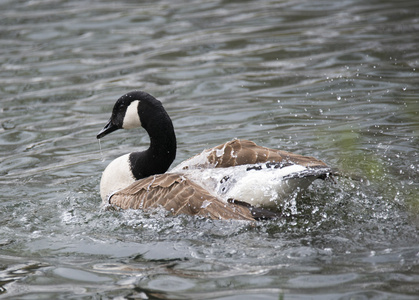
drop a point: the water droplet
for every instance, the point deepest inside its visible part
(338, 98)
(102, 158)
(8, 125)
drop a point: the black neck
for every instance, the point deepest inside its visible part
(162, 151)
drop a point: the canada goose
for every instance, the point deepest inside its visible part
(235, 180)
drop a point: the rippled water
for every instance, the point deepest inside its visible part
(337, 80)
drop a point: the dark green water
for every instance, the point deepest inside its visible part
(337, 80)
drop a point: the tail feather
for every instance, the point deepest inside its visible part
(258, 213)
(320, 172)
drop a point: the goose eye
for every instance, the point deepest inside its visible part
(120, 107)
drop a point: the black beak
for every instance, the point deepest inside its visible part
(109, 127)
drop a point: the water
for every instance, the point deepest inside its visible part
(337, 80)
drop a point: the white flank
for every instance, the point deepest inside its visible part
(266, 187)
(132, 119)
(116, 176)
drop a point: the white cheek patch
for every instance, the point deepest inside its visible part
(132, 119)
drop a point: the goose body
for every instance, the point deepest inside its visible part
(234, 180)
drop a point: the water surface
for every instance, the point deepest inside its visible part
(337, 80)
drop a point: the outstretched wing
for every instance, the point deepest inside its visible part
(243, 152)
(179, 195)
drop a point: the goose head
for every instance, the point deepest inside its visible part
(129, 110)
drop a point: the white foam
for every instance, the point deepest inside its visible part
(199, 161)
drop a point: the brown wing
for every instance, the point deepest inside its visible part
(241, 152)
(179, 195)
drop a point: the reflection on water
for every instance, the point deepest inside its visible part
(333, 79)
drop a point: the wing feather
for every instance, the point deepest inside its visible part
(241, 152)
(179, 195)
